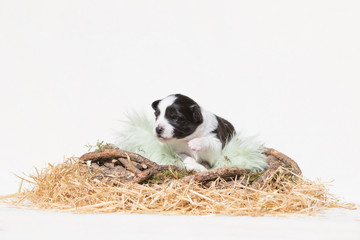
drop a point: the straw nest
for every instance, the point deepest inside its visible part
(113, 180)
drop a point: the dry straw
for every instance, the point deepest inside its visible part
(68, 186)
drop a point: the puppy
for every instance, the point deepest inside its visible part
(195, 134)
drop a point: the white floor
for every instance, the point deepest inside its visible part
(30, 224)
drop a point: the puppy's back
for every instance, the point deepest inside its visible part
(225, 130)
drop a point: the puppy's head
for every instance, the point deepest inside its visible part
(177, 116)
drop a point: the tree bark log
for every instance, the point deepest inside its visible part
(284, 159)
(274, 164)
(107, 154)
(129, 165)
(139, 169)
(225, 172)
(147, 174)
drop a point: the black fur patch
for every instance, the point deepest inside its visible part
(184, 115)
(155, 104)
(225, 130)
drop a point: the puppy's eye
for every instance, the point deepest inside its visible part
(179, 119)
(174, 116)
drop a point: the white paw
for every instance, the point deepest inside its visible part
(191, 164)
(198, 168)
(196, 144)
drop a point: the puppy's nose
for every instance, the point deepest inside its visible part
(159, 129)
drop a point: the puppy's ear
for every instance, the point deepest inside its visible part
(155, 104)
(197, 115)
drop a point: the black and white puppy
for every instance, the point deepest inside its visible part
(195, 134)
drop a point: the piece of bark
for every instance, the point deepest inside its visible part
(144, 166)
(140, 169)
(226, 172)
(109, 165)
(119, 169)
(94, 166)
(284, 159)
(107, 154)
(129, 165)
(147, 174)
(274, 165)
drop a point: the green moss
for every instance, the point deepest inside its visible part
(100, 146)
(164, 175)
(254, 176)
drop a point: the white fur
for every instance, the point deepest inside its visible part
(136, 135)
(202, 145)
(162, 121)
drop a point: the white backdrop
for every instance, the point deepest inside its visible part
(283, 70)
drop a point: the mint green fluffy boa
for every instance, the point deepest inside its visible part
(136, 136)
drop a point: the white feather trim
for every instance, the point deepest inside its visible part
(137, 136)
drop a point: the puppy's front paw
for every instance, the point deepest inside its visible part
(199, 168)
(196, 144)
(191, 164)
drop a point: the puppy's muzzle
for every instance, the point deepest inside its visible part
(159, 130)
